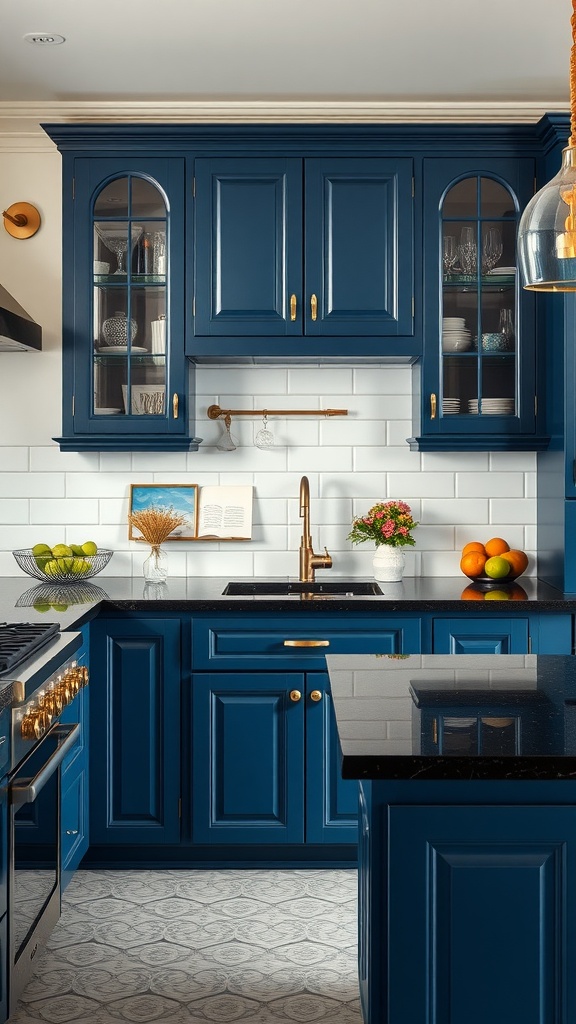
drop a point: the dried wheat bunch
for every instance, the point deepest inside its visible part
(156, 524)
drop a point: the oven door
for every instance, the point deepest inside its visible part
(34, 870)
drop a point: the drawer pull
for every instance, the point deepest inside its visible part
(72, 831)
(316, 695)
(306, 643)
(313, 307)
(295, 696)
(292, 307)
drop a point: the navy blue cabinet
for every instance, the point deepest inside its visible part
(265, 752)
(289, 250)
(477, 381)
(135, 731)
(502, 634)
(74, 811)
(125, 374)
(468, 914)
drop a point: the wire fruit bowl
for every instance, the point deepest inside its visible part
(70, 569)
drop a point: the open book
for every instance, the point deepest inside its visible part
(225, 512)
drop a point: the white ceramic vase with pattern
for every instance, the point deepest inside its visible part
(388, 563)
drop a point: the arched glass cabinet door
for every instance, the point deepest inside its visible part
(129, 304)
(480, 310)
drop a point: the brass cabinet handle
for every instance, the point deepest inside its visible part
(295, 695)
(175, 405)
(432, 406)
(292, 307)
(316, 695)
(313, 307)
(306, 643)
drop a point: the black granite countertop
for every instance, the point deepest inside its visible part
(503, 716)
(24, 599)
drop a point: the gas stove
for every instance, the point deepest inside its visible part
(20, 640)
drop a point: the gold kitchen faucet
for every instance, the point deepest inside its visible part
(309, 561)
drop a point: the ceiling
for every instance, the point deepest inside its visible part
(302, 50)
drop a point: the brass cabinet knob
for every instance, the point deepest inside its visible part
(295, 696)
(306, 643)
(316, 695)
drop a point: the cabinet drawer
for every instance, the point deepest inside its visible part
(298, 642)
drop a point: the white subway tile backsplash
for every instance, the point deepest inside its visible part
(351, 462)
(14, 460)
(63, 511)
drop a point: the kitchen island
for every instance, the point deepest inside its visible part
(467, 845)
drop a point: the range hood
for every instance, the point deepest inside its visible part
(18, 331)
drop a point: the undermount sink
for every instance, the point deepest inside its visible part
(271, 588)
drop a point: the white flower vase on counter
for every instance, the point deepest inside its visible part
(388, 563)
(155, 567)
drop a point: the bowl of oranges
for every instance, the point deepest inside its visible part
(492, 563)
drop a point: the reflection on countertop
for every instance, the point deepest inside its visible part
(413, 594)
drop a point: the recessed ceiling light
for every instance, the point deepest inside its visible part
(44, 38)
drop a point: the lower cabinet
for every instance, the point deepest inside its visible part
(74, 814)
(265, 761)
(467, 912)
(135, 731)
(501, 634)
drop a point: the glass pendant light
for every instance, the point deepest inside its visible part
(547, 230)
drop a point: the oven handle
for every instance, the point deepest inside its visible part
(27, 791)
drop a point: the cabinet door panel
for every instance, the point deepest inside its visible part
(359, 257)
(135, 732)
(248, 240)
(480, 901)
(248, 758)
(74, 825)
(331, 801)
(486, 636)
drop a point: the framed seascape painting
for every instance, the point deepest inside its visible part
(179, 498)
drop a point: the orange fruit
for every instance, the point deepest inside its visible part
(472, 563)
(471, 594)
(518, 561)
(517, 593)
(474, 545)
(496, 546)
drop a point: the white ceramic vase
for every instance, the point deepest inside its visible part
(388, 563)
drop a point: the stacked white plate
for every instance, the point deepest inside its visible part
(508, 271)
(450, 406)
(455, 335)
(493, 406)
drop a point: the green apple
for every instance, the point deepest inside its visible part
(65, 564)
(77, 549)
(41, 561)
(61, 551)
(41, 549)
(52, 568)
(80, 566)
(89, 548)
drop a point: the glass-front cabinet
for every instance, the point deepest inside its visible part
(478, 378)
(125, 330)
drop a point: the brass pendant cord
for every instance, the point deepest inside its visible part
(572, 140)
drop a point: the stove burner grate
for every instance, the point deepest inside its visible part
(19, 640)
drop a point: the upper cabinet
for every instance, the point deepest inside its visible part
(478, 373)
(303, 257)
(125, 371)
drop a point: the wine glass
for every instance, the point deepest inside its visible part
(449, 253)
(115, 238)
(491, 249)
(468, 251)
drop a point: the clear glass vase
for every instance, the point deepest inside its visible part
(155, 567)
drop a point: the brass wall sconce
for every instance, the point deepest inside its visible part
(21, 220)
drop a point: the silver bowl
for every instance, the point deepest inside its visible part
(62, 570)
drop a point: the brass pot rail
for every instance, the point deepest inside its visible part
(214, 411)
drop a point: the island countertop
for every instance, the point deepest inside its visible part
(455, 716)
(23, 599)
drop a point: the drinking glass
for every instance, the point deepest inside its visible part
(491, 249)
(115, 238)
(449, 253)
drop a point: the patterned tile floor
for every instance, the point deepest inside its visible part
(200, 947)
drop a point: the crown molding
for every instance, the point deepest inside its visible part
(20, 122)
